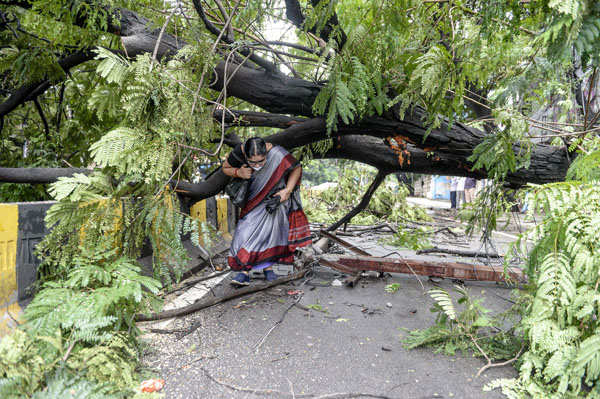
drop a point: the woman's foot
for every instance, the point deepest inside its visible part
(270, 275)
(241, 279)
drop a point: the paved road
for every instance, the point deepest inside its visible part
(312, 352)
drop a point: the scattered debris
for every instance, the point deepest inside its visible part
(213, 301)
(391, 288)
(152, 385)
(461, 271)
(278, 322)
(336, 283)
(386, 349)
(352, 281)
(344, 243)
(389, 304)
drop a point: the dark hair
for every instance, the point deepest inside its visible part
(255, 146)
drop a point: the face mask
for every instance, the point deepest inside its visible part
(256, 168)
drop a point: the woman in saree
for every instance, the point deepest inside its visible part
(272, 223)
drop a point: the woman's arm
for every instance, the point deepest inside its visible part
(244, 172)
(292, 180)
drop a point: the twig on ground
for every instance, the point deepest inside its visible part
(415, 274)
(372, 228)
(162, 331)
(340, 395)
(194, 281)
(278, 322)
(203, 357)
(489, 365)
(190, 330)
(446, 229)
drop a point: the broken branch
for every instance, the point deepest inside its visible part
(455, 270)
(345, 244)
(458, 252)
(275, 392)
(381, 174)
(214, 301)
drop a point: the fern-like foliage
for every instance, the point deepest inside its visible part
(69, 385)
(90, 286)
(347, 93)
(561, 321)
(445, 302)
(460, 329)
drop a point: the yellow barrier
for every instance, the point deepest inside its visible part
(222, 217)
(9, 230)
(22, 227)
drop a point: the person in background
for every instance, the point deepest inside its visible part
(460, 191)
(453, 187)
(272, 223)
(470, 184)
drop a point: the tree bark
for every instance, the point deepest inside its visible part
(443, 151)
(37, 175)
(249, 118)
(287, 95)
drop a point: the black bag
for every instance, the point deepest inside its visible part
(237, 189)
(272, 203)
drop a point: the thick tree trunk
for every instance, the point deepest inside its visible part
(449, 146)
(206, 189)
(37, 175)
(452, 143)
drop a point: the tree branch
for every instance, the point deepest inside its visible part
(30, 91)
(293, 12)
(267, 65)
(40, 111)
(293, 45)
(381, 174)
(37, 175)
(249, 118)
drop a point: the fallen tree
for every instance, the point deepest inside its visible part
(444, 150)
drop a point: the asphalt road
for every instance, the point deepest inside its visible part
(353, 347)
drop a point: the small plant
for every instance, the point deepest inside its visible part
(468, 330)
(392, 288)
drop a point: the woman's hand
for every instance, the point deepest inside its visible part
(244, 172)
(284, 194)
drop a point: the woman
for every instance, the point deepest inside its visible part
(272, 223)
